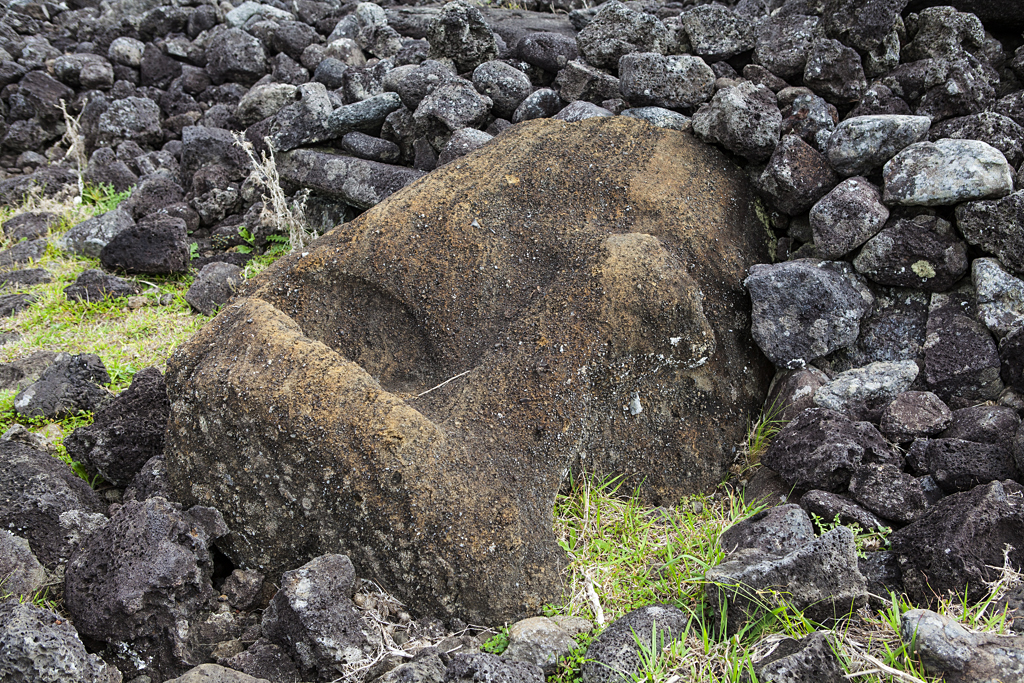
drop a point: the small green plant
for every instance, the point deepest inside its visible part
(570, 666)
(193, 251)
(248, 238)
(759, 436)
(867, 541)
(497, 643)
(103, 197)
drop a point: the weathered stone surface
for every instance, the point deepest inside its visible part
(863, 393)
(214, 286)
(137, 584)
(159, 245)
(946, 172)
(792, 391)
(777, 531)
(94, 285)
(650, 79)
(997, 226)
(263, 659)
(984, 424)
(38, 645)
(956, 547)
(744, 119)
(834, 71)
(961, 359)
(811, 658)
(22, 372)
(888, 492)
(443, 461)
(997, 130)
(68, 385)
(783, 42)
(921, 252)
(797, 176)
(485, 667)
(960, 465)
(821, 448)
(831, 507)
(617, 30)
(847, 217)
(126, 432)
(913, 414)
(820, 577)
(540, 641)
(863, 143)
(21, 575)
(614, 656)
(313, 618)
(38, 489)
(358, 182)
(1000, 296)
(948, 650)
(716, 32)
(458, 33)
(90, 236)
(805, 309)
(214, 673)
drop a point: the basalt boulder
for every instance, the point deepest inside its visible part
(412, 389)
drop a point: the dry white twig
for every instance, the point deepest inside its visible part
(76, 145)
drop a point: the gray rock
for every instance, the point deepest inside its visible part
(657, 116)
(717, 33)
(21, 574)
(821, 578)
(848, 216)
(879, 100)
(863, 393)
(946, 172)
(213, 287)
(617, 30)
(132, 118)
(797, 176)
(487, 668)
(540, 641)
(832, 507)
(85, 71)
(242, 588)
(68, 385)
(958, 545)
(805, 309)
(358, 182)
(18, 432)
(263, 659)
(862, 25)
(863, 143)
(812, 118)
(26, 277)
(679, 81)
(422, 81)
(744, 119)
(792, 391)
(580, 81)
(997, 130)
(504, 84)
(821, 449)
(783, 42)
(1000, 296)
(996, 226)
(95, 285)
(914, 414)
(138, 583)
(214, 673)
(235, 56)
(23, 252)
(811, 658)
(775, 531)
(888, 492)
(38, 489)
(950, 651)
(22, 372)
(13, 303)
(30, 225)
(835, 72)
(984, 424)
(126, 51)
(368, 147)
(1012, 106)
(462, 142)
(614, 656)
(451, 106)
(459, 34)
(304, 121)
(542, 103)
(152, 195)
(1011, 353)
(579, 110)
(921, 252)
(313, 618)
(549, 51)
(263, 101)
(38, 645)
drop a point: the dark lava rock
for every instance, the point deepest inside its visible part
(26, 277)
(126, 432)
(792, 392)
(863, 393)
(997, 226)
(811, 658)
(68, 385)
(23, 252)
(797, 176)
(832, 507)
(776, 531)
(213, 286)
(22, 574)
(617, 30)
(263, 659)
(37, 489)
(158, 246)
(39, 645)
(313, 618)
(921, 252)
(783, 42)
(805, 309)
(504, 84)
(540, 104)
(888, 492)
(984, 424)
(22, 372)
(677, 82)
(550, 51)
(615, 654)
(90, 236)
(999, 131)
(821, 449)
(323, 326)
(358, 182)
(458, 33)
(881, 570)
(835, 72)
(961, 358)
(234, 55)
(95, 285)
(716, 32)
(959, 465)
(13, 303)
(154, 193)
(1011, 354)
(847, 217)
(956, 655)
(745, 119)
(31, 225)
(958, 545)
(914, 414)
(138, 584)
(821, 578)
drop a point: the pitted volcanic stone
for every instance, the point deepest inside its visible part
(345, 336)
(614, 656)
